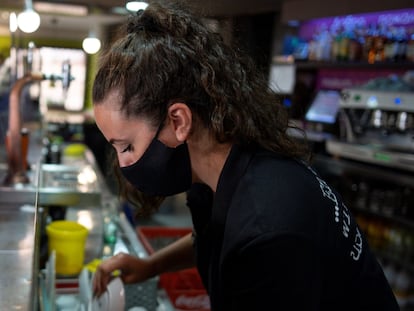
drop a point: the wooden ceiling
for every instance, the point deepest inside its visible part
(209, 7)
(108, 12)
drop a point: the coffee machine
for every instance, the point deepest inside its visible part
(376, 126)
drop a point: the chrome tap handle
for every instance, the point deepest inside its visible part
(30, 57)
(66, 75)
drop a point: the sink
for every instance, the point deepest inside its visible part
(19, 193)
(65, 185)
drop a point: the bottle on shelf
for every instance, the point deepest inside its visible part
(375, 43)
(401, 40)
(355, 46)
(402, 287)
(343, 46)
(410, 46)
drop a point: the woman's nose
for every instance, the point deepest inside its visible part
(126, 160)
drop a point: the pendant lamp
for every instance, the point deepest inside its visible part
(135, 6)
(91, 44)
(28, 20)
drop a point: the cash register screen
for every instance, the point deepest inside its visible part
(324, 107)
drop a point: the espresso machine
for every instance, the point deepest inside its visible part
(377, 125)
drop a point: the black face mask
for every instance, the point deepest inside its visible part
(161, 170)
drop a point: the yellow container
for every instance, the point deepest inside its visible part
(67, 239)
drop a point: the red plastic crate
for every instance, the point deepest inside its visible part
(184, 288)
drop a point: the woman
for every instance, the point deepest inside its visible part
(184, 112)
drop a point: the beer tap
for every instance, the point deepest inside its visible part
(16, 139)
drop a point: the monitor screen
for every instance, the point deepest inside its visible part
(324, 107)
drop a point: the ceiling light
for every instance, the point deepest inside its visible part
(13, 22)
(59, 8)
(28, 20)
(91, 44)
(135, 6)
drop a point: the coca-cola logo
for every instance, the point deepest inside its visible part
(193, 302)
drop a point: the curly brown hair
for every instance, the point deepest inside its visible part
(166, 53)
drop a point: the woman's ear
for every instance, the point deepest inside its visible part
(180, 120)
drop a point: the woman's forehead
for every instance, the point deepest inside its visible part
(116, 127)
(112, 100)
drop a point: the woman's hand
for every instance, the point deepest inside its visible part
(176, 256)
(133, 270)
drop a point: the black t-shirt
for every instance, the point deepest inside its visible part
(275, 236)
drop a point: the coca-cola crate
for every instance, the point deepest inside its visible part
(184, 288)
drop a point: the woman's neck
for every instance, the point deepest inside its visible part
(207, 159)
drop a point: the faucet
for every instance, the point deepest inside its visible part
(17, 140)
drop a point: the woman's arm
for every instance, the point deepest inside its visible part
(176, 256)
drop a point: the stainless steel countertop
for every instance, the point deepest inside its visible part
(16, 256)
(18, 246)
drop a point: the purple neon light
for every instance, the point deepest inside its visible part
(403, 18)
